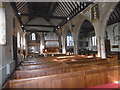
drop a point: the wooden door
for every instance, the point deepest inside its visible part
(15, 50)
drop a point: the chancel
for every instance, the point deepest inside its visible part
(61, 44)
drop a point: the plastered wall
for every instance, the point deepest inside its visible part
(7, 64)
(112, 31)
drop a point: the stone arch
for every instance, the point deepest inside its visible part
(100, 25)
(85, 35)
(65, 30)
(80, 25)
(112, 31)
(76, 33)
(105, 19)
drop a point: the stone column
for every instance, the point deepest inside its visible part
(63, 45)
(99, 46)
(103, 52)
(97, 29)
(75, 47)
(41, 43)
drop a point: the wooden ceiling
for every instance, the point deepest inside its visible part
(115, 15)
(56, 13)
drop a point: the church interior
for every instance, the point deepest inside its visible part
(62, 44)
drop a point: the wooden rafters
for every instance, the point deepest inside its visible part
(31, 25)
(44, 16)
(58, 11)
(16, 13)
(115, 15)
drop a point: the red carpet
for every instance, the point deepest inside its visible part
(109, 85)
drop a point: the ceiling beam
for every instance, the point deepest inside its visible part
(37, 31)
(63, 10)
(13, 5)
(31, 25)
(53, 8)
(73, 13)
(43, 16)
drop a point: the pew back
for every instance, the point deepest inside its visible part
(79, 79)
(50, 71)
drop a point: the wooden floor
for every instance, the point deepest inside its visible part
(64, 72)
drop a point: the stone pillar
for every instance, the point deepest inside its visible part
(97, 29)
(63, 45)
(75, 47)
(99, 46)
(41, 43)
(103, 53)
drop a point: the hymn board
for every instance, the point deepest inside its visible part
(94, 13)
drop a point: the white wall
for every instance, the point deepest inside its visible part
(6, 51)
(109, 30)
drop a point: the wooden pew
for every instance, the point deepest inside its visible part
(37, 62)
(57, 64)
(62, 69)
(79, 79)
(49, 71)
(39, 66)
(71, 57)
(56, 61)
(103, 76)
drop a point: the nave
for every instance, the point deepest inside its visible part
(75, 71)
(61, 44)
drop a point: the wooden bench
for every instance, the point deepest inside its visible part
(61, 69)
(50, 71)
(79, 79)
(57, 64)
(62, 60)
(71, 57)
(37, 62)
(39, 66)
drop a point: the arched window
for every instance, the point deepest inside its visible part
(18, 39)
(70, 41)
(94, 43)
(33, 36)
